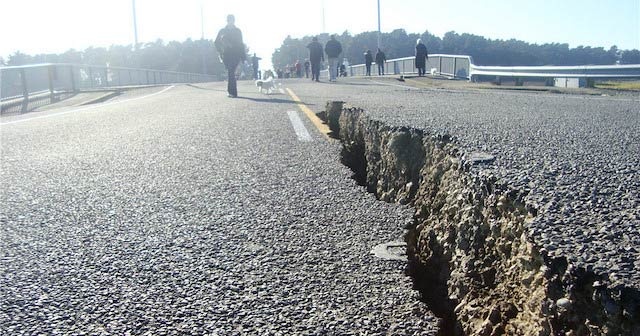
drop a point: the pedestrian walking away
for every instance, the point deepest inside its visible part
(421, 57)
(368, 59)
(333, 49)
(255, 63)
(229, 45)
(316, 55)
(298, 69)
(380, 59)
(307, 68)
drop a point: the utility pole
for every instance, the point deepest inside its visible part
(202, 20)
(135, 25)
(324, 30)
(379, 24)
(202, 41)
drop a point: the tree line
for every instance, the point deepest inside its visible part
(399, 43)
(200, 56)
(193, 56)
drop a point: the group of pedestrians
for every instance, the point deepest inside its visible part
(380, 59)
(297, 70)
(230, 46)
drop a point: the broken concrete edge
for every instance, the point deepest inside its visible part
(470, 250)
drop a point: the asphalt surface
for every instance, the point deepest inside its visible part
(577, 157)
(188, 212)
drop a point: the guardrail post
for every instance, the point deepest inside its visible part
(74, 88)
(106, 77)
(455, 65)
(25, 91)
(51, 76)
(0, 91)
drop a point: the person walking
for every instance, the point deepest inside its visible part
(380, 59)
(368, 59)
(229, 44)
(307, 67)
(316, 56)
(298, 69)
(421, 58)
(333, 48)
(255, 63)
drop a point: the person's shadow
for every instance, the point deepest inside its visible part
(269, 100)
(258, 100)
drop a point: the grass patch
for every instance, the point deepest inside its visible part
(621, 85)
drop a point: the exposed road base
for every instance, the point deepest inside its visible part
(470, 248)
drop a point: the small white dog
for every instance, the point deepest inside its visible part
(267, 85)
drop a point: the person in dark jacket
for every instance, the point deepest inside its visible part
(421, 57)
(380, 59)
(255, 63)
(368, 59)
(316, 56)
(333, 48)
(307, 67)
(229, 44)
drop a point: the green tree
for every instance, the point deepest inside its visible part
(630, 57)
(19, 58)
(95, 56)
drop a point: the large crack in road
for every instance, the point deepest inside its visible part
(471, 253)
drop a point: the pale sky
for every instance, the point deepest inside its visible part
(54, 26)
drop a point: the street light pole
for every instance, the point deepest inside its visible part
(379, 24)
(203, 42)
(323, 22)
(202, 20)
(135, 25)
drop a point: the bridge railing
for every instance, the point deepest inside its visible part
(462, 67)
(456, 66)
(585, 71)
(23, 87)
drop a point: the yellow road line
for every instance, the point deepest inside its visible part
(317, 122)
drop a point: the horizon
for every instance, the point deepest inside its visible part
(264, 29)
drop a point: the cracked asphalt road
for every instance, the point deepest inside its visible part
(575, 157)
(191, 213)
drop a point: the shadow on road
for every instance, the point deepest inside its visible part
(269, 100)
(258, 100)
(358, 83)
(203, 88)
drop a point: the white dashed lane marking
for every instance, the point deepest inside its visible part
(298, 127)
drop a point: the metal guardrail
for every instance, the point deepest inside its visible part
(22, 86)
(456, 66)
(587, 71)
(461, 66)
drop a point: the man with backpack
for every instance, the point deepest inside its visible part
(333, 48)
(380, 59)
(230, 46)
(315, 57)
